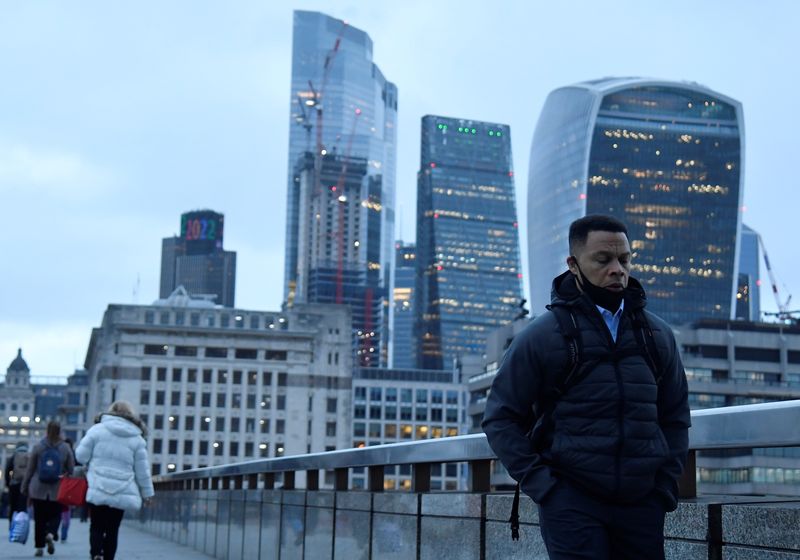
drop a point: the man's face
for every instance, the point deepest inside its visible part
(605, 260)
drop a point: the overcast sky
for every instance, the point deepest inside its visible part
(117, 117)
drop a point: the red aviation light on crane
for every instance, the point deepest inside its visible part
(333, 188)
(433, 164)
(436, 215)
(358, 111)
(439, 267)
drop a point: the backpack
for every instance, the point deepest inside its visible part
(578, 365)
(19, 465)
(49, 467)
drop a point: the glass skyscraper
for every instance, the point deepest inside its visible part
(342, 112)
(468, 273)
(665, 158)
(748, 300)
(403, 346)
(196, 260)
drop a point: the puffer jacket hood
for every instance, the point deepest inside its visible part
(136, 421)
(122, 426)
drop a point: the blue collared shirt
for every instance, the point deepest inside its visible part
(612, 319)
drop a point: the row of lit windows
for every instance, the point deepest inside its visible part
(210, 320)
(214, 352)
(223, 376)
(189, 400)
(249, 453)
(359, 483)
(376, 394)
(420, 414)
(202, 447)
(759, 475)
(394, 432)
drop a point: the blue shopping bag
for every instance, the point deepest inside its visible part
(20, 525)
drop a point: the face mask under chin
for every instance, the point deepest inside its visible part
(607, 299)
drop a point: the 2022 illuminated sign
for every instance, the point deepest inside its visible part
(202, 230)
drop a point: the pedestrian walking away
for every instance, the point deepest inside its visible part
(589, 409)
(49, 460)
(15, 470)
(118, 472)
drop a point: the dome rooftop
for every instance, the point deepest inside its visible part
(19, 364)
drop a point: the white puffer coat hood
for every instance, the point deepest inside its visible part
(118, 467)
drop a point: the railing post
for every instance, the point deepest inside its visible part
(375, 478)
(687, 486)
(312, 479)
(421, 477)
(252, 481)
(215, 483)
(238, 482)
(288, 480)
(480, 475)
(340, 479)
(269, 481)
(205, 484)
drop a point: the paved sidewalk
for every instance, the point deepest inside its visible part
(133, 545)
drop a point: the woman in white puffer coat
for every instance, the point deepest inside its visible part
(118, 474)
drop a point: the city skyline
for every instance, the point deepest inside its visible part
(114, 124)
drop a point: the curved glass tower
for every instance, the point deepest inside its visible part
(666, 159)
(342, 105)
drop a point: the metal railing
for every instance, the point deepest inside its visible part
(764, 425)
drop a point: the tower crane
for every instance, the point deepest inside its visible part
(318, 98)
(783, 313)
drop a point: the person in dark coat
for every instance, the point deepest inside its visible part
(15, 469)
(41, 490)
(603, 459)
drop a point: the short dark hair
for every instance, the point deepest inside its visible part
(579, 229)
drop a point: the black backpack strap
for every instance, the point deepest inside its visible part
(514, 520)
(646, 340)
(568, 325)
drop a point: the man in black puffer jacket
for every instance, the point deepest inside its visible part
(601, 460)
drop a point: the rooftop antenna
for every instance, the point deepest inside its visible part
(136, 290)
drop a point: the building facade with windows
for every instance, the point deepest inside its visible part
(403, 351)
(396, 405)
(72, 409)
(748, 293)
(468, 268)
(18, 420)
(196, 260)
(343, 116)
(664, 157)
(217, 385)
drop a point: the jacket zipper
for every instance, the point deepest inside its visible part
(621, 428)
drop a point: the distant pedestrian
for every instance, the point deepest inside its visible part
(66, 511)
(115, 454)
(49, 460)
(16, 466)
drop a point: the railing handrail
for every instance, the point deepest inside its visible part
(774, 424)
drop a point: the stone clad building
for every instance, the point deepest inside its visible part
(218, 385)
